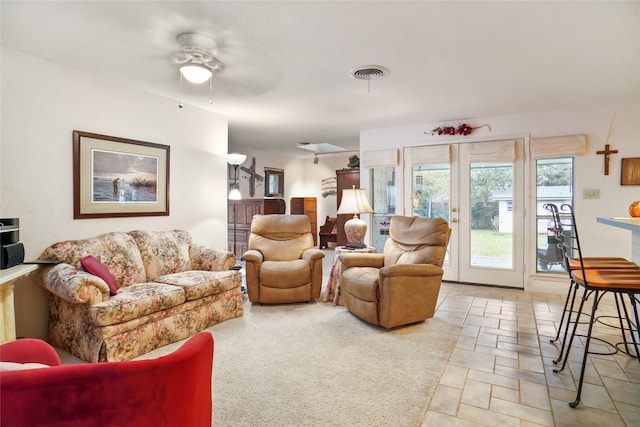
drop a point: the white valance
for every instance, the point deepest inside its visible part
(493, 151)
(379, 158)
(558, 146)
(430, 154)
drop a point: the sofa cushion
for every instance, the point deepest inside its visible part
(135, 301)
(95, 267)
(117, 251)
(198, 284)
(163, 252)
(285, 274)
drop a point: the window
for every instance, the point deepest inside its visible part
(383, 189)
(554, 179)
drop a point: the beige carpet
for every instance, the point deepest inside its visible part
(317, 365)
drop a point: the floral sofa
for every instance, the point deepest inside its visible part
(168, 289)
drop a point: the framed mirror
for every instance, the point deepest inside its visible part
(273, 182)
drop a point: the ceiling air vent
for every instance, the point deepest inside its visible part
(368, 73)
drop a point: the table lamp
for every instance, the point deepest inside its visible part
(354, 201)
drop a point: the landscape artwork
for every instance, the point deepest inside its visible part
(124, 178)
(119, 177)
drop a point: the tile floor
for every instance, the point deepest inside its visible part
(501, 372)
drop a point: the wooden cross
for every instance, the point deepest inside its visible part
(606, 153)
(252, 177)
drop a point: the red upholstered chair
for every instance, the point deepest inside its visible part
(172, 390)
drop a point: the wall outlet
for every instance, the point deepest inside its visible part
(591, 194)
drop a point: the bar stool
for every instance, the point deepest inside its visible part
(597, 282)
(564, 236)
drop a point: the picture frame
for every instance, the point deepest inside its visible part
(273, 182)
(630, 171)
(119, 177)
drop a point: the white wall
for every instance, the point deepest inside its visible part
(594, 121)
(302, 178)
(42, 103)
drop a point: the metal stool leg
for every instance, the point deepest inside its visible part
(573, 291)
(594, 308)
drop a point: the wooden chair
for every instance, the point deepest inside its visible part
(328, 232)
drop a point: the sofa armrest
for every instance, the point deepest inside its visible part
(211, 259)
(74, 285)
(422, 270)
(29, 350)
(361, 260)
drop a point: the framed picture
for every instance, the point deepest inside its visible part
(118, 177)
(273, 182)
(630, 171)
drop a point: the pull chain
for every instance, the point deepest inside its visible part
(180, 104)
(211, 90)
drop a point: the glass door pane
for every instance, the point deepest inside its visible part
(491, 214)
(430, 193)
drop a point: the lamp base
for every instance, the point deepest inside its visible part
(355, 229)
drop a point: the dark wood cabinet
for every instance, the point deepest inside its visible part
(345, 178)
(243, 214)
(307, 206)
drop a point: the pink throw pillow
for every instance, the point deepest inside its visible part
(92, 265)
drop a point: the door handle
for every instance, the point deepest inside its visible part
(454, 220)
(454, 209)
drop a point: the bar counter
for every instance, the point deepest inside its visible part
(631, 224)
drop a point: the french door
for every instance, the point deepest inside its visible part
(479, 189)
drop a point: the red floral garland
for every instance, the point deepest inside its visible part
(462, 129)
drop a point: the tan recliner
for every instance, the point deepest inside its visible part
(282, 264)
(401, 285)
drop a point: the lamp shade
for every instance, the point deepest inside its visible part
(354, 201)
(235, 194)
(196, 73)
(236, 159)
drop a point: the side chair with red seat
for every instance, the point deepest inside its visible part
(171, 390)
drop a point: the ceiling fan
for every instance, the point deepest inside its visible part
(196, 57)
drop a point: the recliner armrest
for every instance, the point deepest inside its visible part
(361, 260)
(253, 255)
(311, 254)
(422, 270)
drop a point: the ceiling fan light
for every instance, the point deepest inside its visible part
(196, 73)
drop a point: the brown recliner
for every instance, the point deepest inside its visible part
(401, 285)
(282, 264)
